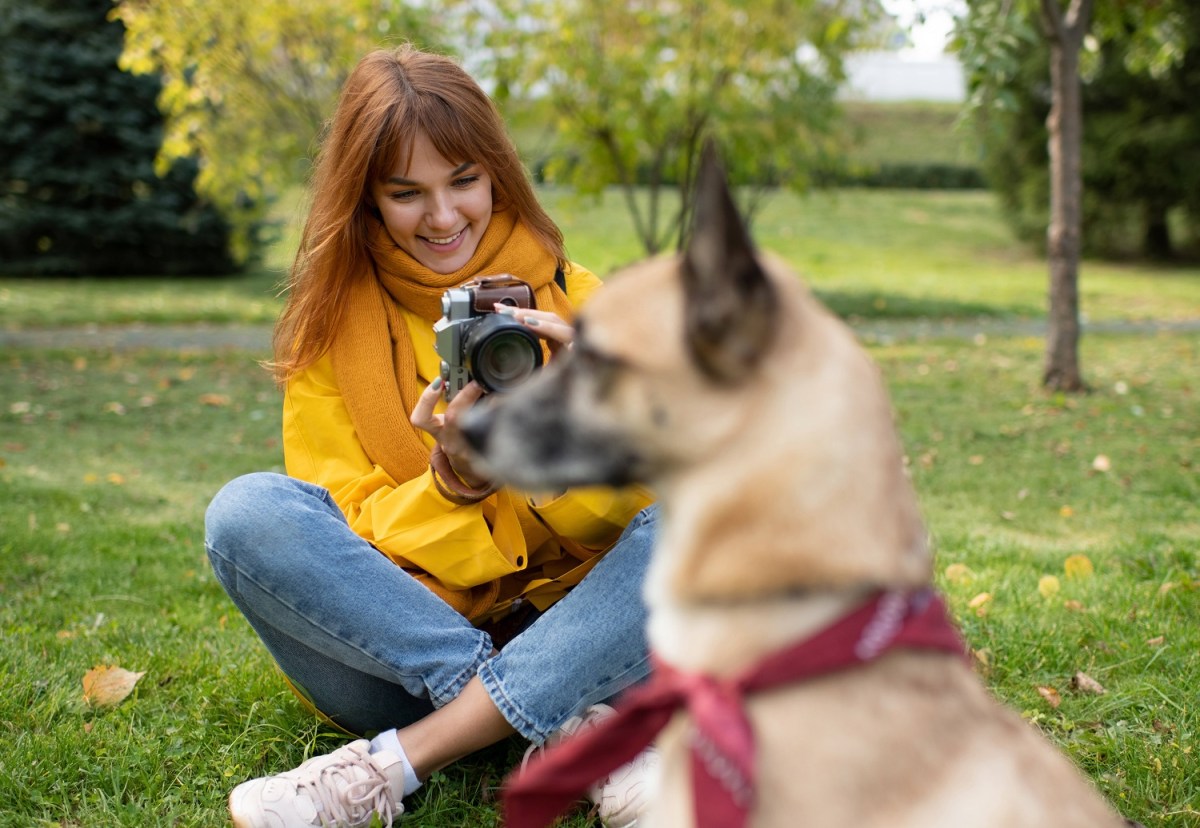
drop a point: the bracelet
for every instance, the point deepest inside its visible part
(450, 485)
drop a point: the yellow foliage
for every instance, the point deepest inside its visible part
(107, 686)
(959, 573)
(1078, 566)
(248, 86)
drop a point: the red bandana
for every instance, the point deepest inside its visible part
(722, 740)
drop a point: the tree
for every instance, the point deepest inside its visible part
(1141, 146)
(78, 137)
(990, 36)
(636, 85)
(248, 86)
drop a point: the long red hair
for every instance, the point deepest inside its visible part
(390, 97)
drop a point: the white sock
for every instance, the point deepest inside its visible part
(387, 741)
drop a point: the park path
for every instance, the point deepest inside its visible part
(257, 338)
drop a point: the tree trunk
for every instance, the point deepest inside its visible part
(1156, 233)
(1065, 127)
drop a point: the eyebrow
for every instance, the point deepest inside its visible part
(459, 170)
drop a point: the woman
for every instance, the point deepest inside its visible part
(402, 593)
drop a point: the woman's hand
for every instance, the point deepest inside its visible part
(443, 429)
(545, 324)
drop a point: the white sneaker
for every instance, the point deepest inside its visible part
(343, 789)
(622, 796)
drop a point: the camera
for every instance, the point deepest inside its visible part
(475, 342)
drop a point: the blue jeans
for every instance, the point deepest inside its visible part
(372, 648)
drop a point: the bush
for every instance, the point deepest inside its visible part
(78, 139)
(932, 176)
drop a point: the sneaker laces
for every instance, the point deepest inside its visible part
(349, 790)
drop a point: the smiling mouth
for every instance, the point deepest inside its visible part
(447, 240)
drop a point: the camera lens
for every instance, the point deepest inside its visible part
(501, 353)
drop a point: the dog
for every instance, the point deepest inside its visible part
(717, 379)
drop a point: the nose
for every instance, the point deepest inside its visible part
(441, 213)
(476, 428)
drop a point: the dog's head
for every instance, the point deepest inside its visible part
(714, 377)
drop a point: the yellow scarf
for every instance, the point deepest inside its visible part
(373, 356)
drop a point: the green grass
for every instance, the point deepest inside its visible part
(1011, 487)
(109, 459)
(908, 132)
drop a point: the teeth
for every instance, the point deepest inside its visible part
(445, 240)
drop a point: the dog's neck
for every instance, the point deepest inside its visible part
(725, 638)
(767, 603)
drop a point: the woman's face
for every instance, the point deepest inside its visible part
(435, 210)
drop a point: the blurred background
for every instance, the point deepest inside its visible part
(162, 139)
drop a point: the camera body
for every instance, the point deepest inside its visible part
(475, 342)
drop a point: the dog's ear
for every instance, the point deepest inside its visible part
(730, 304)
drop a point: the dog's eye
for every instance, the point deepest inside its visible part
(596, 367)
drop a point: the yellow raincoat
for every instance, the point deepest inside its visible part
(480, 557)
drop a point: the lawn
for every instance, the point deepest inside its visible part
(1067, 529)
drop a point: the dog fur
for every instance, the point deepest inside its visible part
(766, 431)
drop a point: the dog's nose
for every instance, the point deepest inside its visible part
(475, 426)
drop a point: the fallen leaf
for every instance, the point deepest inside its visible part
(116, 479)
(975, 459)
(1078, 566)
(1048, 586)
(1101, 463)
(959, 573)
(1083, 683)
(216, 400)
(980, 603)
(108, 686)
(1050, 695)
(1073, 606)
(1157, 641)
(1066, 511)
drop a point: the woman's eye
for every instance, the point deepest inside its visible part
(466, 181)
(404, 195)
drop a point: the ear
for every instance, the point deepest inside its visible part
(730, 303)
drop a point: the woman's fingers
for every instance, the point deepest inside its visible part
(471, 393)
(545, 324)
(423, 416)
